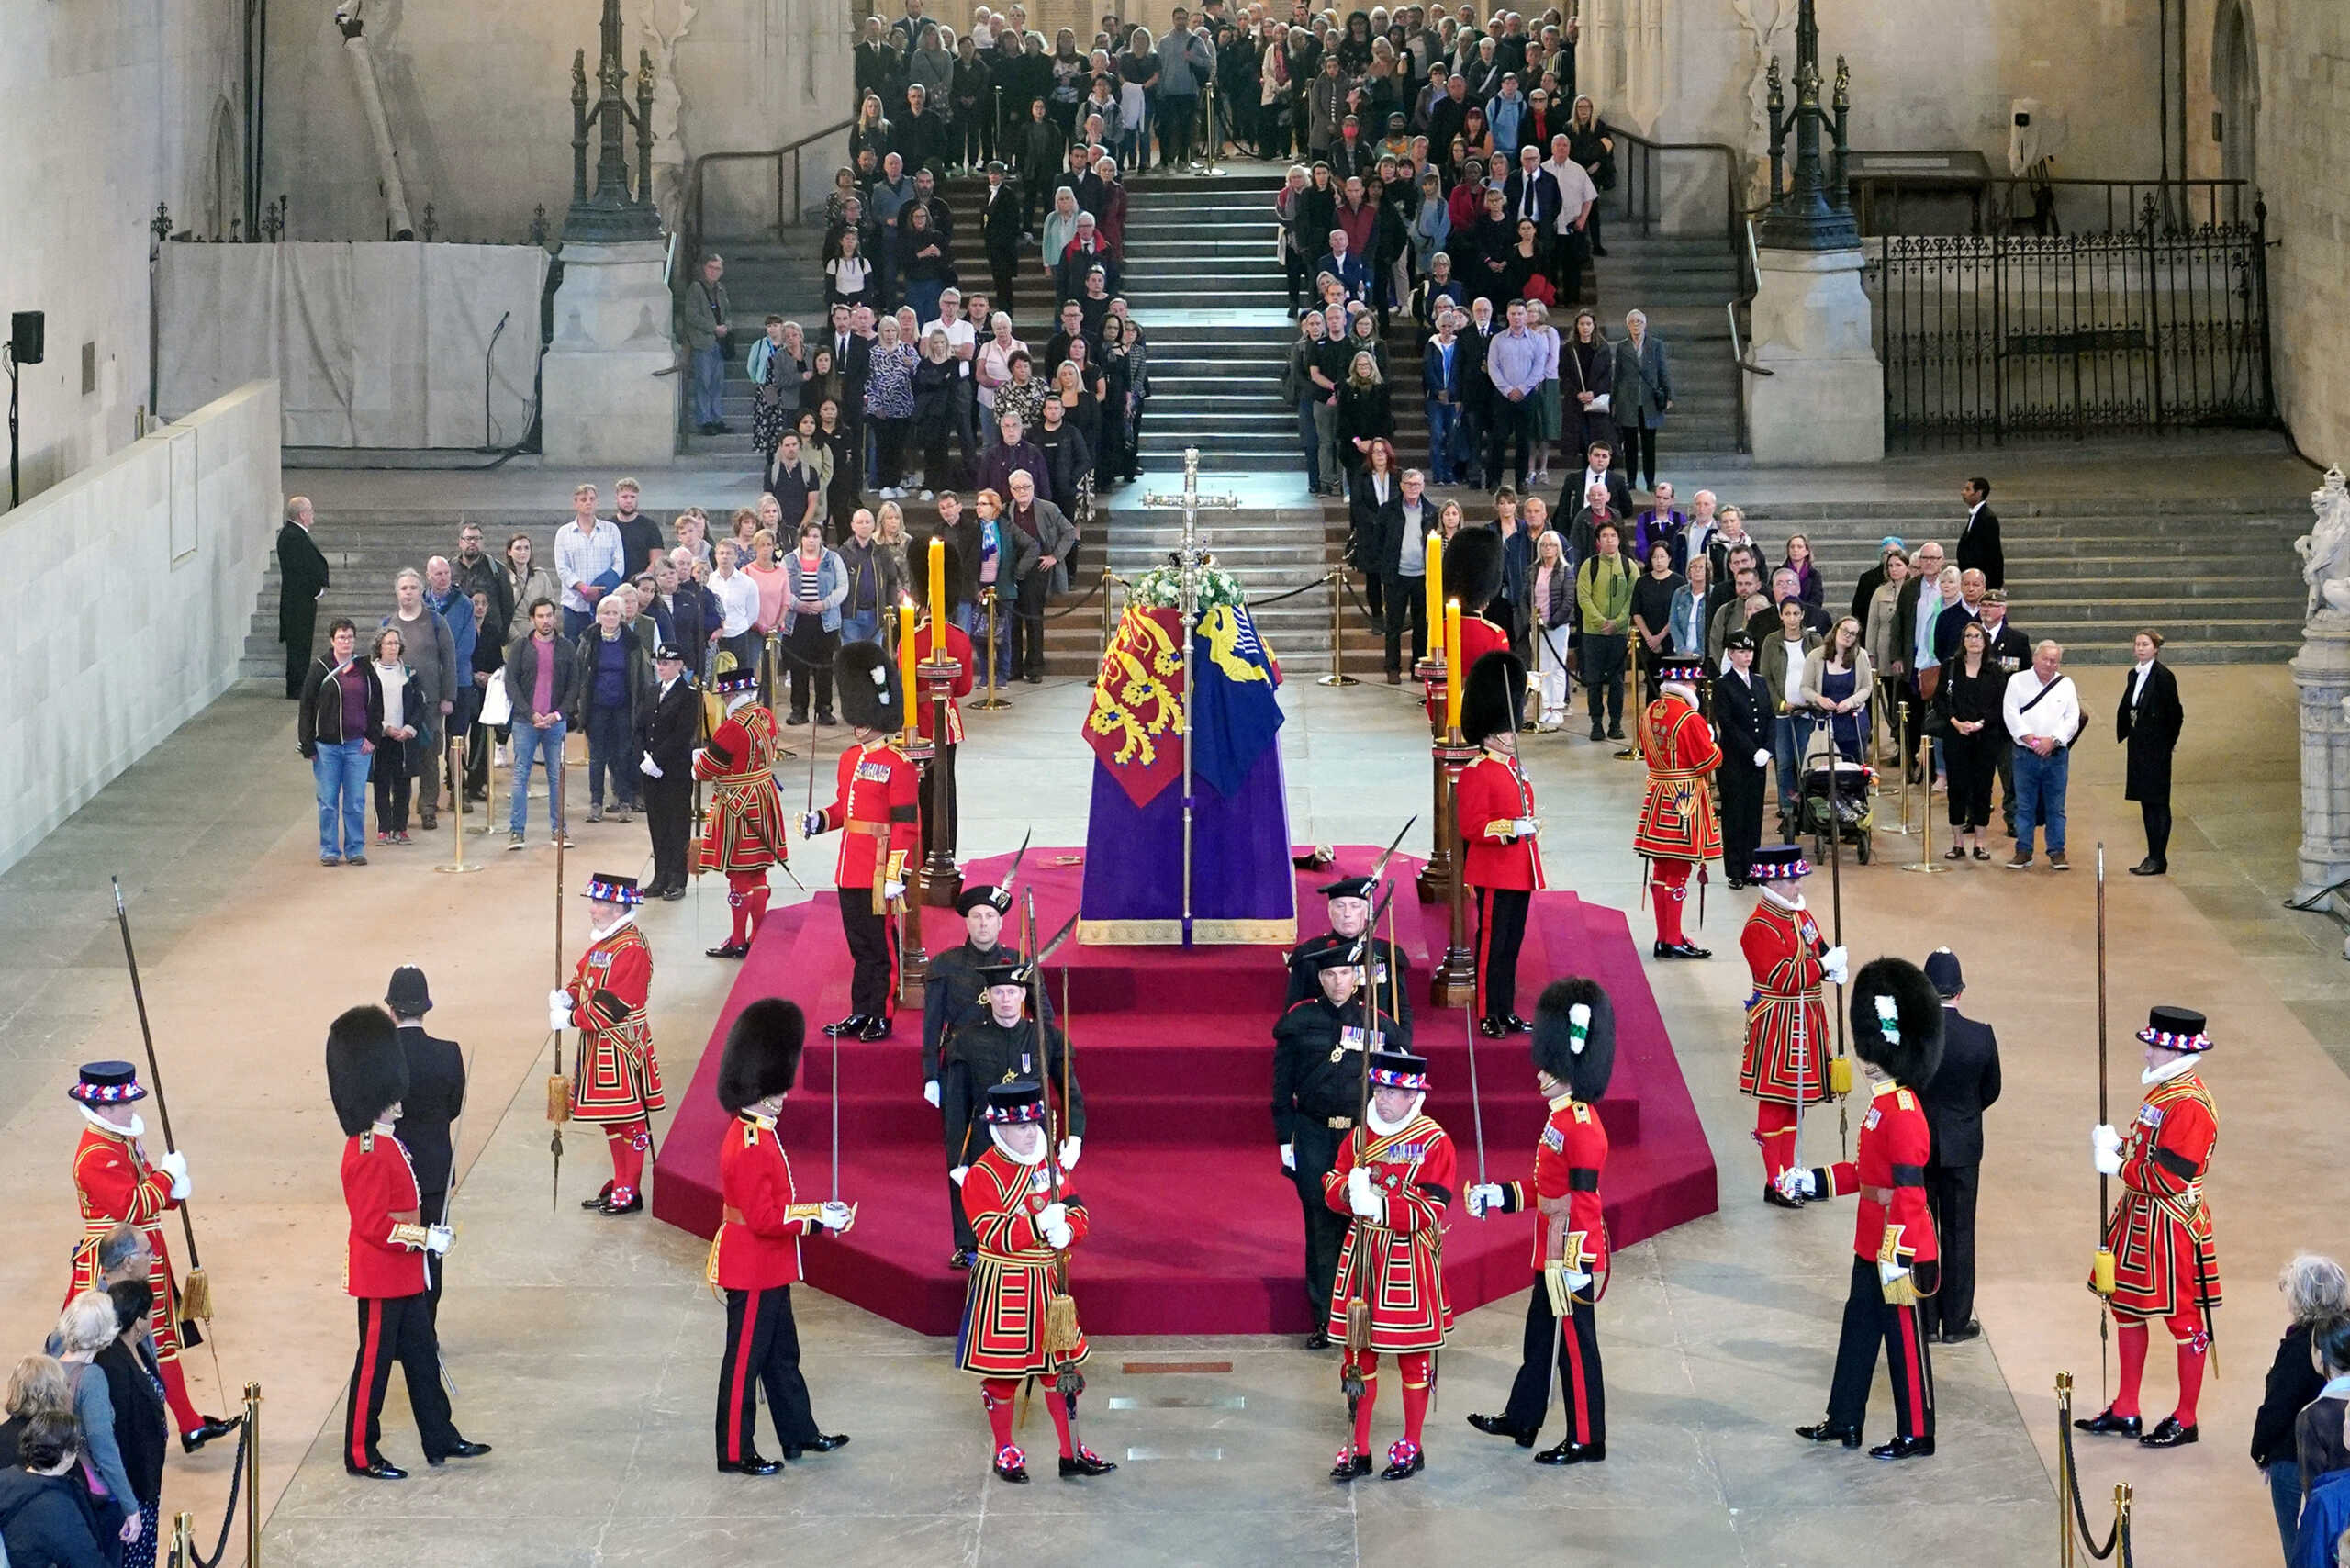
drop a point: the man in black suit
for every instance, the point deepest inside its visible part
(1964, 1086)
(1000, 224)
(1978, 537)
(436, 1095)
(1541, 203)
(1743, 705)
(666, 729)
(1599, 469)
(302, 579)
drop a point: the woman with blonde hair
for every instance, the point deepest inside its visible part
(86, 1326)
(36, 1384)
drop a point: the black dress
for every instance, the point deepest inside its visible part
(1973, 759)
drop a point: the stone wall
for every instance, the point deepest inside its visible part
(115, 108)
(140, 574)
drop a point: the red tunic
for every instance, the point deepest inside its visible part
(1677, 820)
(1412, 1169)
(116, 1186)
(959, 649)
(1568, 1160)
(386, 1257)
(1889, 1172)
(1492, 794)
(744, 831)
(1013, 1280)
(1479, 637)
(2162, 1228)
(619, 1079)
(1782, 948)
(757, 1244)
(874, 804)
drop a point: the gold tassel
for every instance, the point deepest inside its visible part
(558, 1098)
(196, 1296)
(1060, 1326)
(1359, 1323)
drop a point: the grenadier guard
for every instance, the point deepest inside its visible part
(383, 1267)
(1897, 1034)
(1318, 1046)
(958, 652)
(1574, 1055)
(1384, 965)
(1677, 830)
(618, 1083)
(1019, 1320)
(1499, 860)
(876, 805)
(116, 1185)
(2165, 1256)
(754, 1257)
(1787, 1040)
(1000, 1044)
(743, 834)
(1394, 1176)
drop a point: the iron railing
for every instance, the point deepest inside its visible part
(1642, 186)
(2105, 207)
(790, 189)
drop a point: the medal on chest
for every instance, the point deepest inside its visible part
(1869, 1122)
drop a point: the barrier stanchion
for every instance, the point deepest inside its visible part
(2063, 1472)
(992, 702)
(252, 1475)
(183, 1541)
(1109, 625)
(1337, 676)
(457, 814)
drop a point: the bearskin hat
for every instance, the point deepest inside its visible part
(1493, 697)
(870, 697)
(762, 1055)
(1586, 1072)
(1910, 1047)
(1472, 568)
(367, 1070)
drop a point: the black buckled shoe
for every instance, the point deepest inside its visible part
(634, 1205)
(727, 949)
(1318, 1340)
(848, 1025)
(1516, 1025)
(1573, 1453)
(2168, 1434)
(1404, 1459)
(874, 1029)
(1086, 1462)
(1499, 1426)
(463, 1449)
(1778, 1200)
(1492, 1028)
(1350, 1466)
(751, 1464)
(1829, 1432)
(1904, 1447)
(213, 1427)
(1682, 950)
(822, 1442)
(2106, 1424)
(376, 1470)
(596, 1202)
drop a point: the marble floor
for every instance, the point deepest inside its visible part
(586, 1349)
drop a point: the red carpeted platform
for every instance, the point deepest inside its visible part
(1196, 1229)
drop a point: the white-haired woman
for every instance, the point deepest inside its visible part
(86, 1326)
(2316, 1291)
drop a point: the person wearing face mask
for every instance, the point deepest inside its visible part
(1026, 1220)
(2165, 1252)
(754, 1257)
(1897, 1034)
(1396, 1176)
(1574, 1055)
(1787, 1040)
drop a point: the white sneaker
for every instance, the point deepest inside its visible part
(925, 495)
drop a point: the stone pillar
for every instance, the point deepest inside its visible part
(605, 395)
(1824, 399)
(2321, 675)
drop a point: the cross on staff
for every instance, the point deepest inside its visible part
(1191, 559)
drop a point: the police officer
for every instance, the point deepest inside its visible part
(1966, 1085)
(1002, 1045)
(1389, 967)
(435, 1098)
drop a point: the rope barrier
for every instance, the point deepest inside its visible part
(194, 1559)
(2075, 1524)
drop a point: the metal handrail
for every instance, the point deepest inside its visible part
(1640, 177)
(787, 213)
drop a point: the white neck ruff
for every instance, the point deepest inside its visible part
(995, 1136)
(1389, 1129)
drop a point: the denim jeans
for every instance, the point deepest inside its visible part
(340, 769)
(860, 629)
(546, 747)
(1444, 426)
(2285, 1497)
(1309, 436)
(976, 626)
(2039, 795)
(1790, 733)
(710, 384)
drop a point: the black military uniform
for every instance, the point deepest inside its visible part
(1317, 1094)
(952, 996)
(1964, 1086)
(979, 1053)
(436, 1094)
(667, 730)
(1388, 967)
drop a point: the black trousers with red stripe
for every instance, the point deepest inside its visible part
(396, 1328)
(872, 939)
(1501, 931)
(761, 1346)
(1583, 1388)
(1868, 1320)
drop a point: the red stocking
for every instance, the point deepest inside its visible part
(995, 1396)
(739, 889)
(1369, 1361)
(1414, 1371)
(2194, 1347)
(754, 905)
(627, 1140)
(1774, 1129)
(1050, 1383)
(176, 1395)
(2131, 1333)
(1669, 886)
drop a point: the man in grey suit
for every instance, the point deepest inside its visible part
(1643, 391)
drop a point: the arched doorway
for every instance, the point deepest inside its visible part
(2235, 83)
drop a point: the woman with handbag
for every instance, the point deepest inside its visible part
(776, 366)
(1965, 719)
(1587, 381)
(1591, 141)
(1551, 619)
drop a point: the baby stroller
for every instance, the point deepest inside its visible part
(1836, 795)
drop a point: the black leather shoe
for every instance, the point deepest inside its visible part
(671, 895)
(1317, 1340)
(1492, 1028)
(2168, 1434)
(2106, 1424)
(1498, 1426)
(822, 1443)
(1573, 1453)
(1516, 1025)
(848, 1025)
(1402, 1469)
(634, 1205)
(1974, 1330)
(1682, 950)
(2146, 867)
(1904, 1447)
(213, 1426)
(874, 1029)
(463, 1451)
(959, 1259)
(598, 1201)
(377, 1471)
(729, 949)
(1351, 1467)
(1778, 1200)
(1829, 1432)
(750, 1465)
(1015, 1473)
(1087, 1463)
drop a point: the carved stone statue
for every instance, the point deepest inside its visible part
(2325, 550)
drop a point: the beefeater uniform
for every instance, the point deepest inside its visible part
(1570, 1234)
(958, 650)
(1494, 801)
(1677, 831)
(617, 1083)
(1787, 1036)
(1317, 1088)
(876, 803)
(115, 1185)
(383, 1269)
(754, 1262)
(743, 834)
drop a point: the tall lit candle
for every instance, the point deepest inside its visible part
(937, 583)
(906, 657)
(1435, 596)
(1454, 679)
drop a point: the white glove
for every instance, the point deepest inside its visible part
(957, 1174)
(649, 767)
(1366, 1204)
(1070, 1149)
(836, 1216)
(437, 1238)
(930, 1091)
(892, 890)
(1888, 1273)
(1761, 756)
(559, 1016)
(2104, 1150)
(1058, 1235)
(1833, 963)
(1052, 1215)
(811, 824)
(1484, 1198)
(1796, 1183)
(1525, 827)
(174, 1164)
(1289, 1157)
(1575, 1278)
